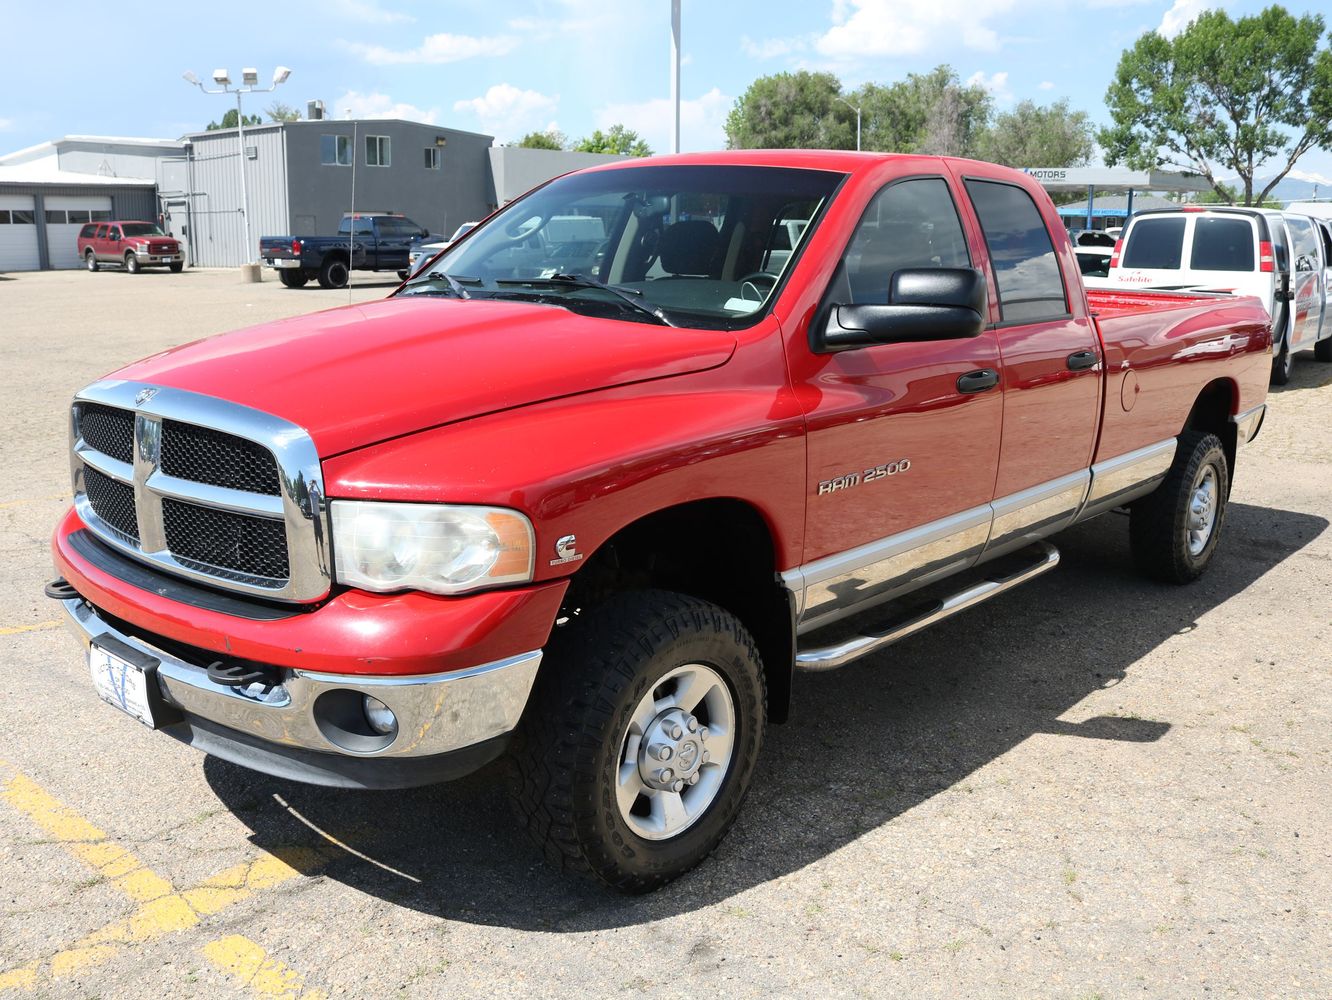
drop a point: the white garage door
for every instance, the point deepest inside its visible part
(65, 216)
(18, 233)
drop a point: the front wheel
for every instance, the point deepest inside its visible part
(1174, 531)
(640, 739)
(176, 266)
(132, 263)
(333, 273)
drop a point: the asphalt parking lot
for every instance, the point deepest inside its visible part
(1094, 787)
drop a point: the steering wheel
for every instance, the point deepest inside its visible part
(751, 282)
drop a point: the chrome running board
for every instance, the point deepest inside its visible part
(832, 657)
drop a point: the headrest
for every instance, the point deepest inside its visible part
(689, 247)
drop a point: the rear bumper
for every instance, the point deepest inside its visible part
(310, 727)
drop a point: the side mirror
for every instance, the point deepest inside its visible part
(935, 303)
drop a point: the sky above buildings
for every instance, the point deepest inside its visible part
(576, 65)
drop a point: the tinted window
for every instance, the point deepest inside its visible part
(1023, 257)
(908, 224)
(335, 150)
(1305, 244)
(1094, 265)
(101, 232)
(56, 217)
(1326, 230)
(86, 232)
(1222, 245)
(22, 217)
(142, 229)
(1155, 244)
(399, 227)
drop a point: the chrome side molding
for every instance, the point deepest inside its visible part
(832, 657)
(1249, 423)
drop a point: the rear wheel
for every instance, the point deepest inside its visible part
(90, 261)
(640, 739)
(132, 263)
(1174, 531)
(1282, 363)
(293, 279)
(333, 273)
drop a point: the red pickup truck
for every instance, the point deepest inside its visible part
(593, 521)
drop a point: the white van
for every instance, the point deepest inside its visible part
(1247, 251)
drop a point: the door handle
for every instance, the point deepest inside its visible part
(978, 381)
(1082, 360)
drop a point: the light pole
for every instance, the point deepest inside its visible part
(857, 111)
(675, 73)
(249, 85)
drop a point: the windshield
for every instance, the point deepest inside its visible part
(141, 229)
(680, 245)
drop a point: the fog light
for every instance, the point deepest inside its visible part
(380, 716)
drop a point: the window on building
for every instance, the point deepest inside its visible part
(432, 157)
(56, 217)
(1021, 253)
(377, 151)
(4, 216)
(22, 217)
(100, 214)
(77, 215)
(335, 150)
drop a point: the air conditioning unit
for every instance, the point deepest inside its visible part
(314, 111)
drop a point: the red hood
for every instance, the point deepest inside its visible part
(361, 374)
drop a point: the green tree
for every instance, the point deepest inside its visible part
(279, 112)
(1226, 194)
(925, 113)
(229, 121)
(792, 111)
(617, 139)
(543, 140)
(1223, 93)
(1035, 136)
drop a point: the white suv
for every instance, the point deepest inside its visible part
(1277, 256)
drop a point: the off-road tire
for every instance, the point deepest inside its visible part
(132, 263)
(1159, 522)
(293, 279)
(90, 261)
(176, 266)
(333, 273)
(564, 761)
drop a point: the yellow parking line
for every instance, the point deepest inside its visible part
(243, 959)
(16, 629)
(162, 909)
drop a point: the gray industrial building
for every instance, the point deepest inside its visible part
(299, 178)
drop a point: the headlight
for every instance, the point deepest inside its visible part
(435, 547)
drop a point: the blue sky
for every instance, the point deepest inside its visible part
(508, 68)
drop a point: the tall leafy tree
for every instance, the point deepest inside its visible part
(229, 121)
(279, 112)
(543, 140)
(1034, 136)
(792, 111)
(1223, 95)
(617, 139)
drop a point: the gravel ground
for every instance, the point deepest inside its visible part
(1093, 787)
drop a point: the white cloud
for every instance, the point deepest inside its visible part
(376, 105)
(1045, 85)
(6, 123)
(869, 28)
(995, 83)
(368, 11)
(1177, 18)
(441, 48)
(701, 121)
(508, 112)
(770, 48)
(528, 24)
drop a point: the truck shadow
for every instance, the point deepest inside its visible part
(865, 745)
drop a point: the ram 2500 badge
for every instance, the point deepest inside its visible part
(591, 513)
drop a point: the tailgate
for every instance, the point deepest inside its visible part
(280, 246)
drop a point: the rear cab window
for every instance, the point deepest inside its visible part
(1155, 244)
(1030, 285)
(1221, 244)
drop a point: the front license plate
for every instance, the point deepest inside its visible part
(121, 683)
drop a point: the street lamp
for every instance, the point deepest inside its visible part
(249, 85)
(857, 111)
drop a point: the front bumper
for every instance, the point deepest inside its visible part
(304, 726)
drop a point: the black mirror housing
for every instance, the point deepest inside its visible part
(925, 304)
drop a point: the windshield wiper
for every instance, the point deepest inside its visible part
(626, 295)
(454, 285)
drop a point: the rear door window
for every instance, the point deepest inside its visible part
(1021, 253)
(1221, 244)
(1155, 244)
(1305, 243)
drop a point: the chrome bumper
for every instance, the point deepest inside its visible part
(436, 713)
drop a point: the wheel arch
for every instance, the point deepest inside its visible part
(1212, 411)
(719, 549)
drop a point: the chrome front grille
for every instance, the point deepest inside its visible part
(202, 488)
